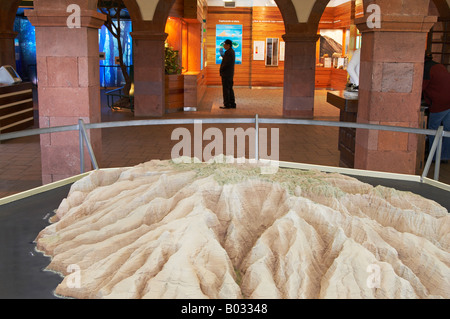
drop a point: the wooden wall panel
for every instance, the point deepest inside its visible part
(267, 22)
(327, 19)
(174, 29)
(174, 92)
(260, 23)
(177, 9)
(16, 107)
(342, 15)
(220, 15)
(359, 10)
(194, 88)
(338, 79)
(195, 10)
(323, 77)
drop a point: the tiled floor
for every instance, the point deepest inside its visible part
(20, 163)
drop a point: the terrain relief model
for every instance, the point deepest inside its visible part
(166, 230)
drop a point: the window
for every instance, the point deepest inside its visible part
(271, 51)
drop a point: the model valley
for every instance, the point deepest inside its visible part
(166, 230)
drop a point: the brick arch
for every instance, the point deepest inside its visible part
(287, 10)
(8, 11)
(443, 8)
(133, 9)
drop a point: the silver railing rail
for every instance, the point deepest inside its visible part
(82, 127)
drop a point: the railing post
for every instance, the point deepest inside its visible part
(437, 164)
(80, 136)
(256, 138)
(437, 137)
(83, 134)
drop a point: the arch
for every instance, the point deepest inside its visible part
(133, 10)
(291, 22)
(287, 11)
(443, 7)
(158, 22)
(8, 11)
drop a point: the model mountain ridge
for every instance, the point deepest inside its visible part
(166, 230)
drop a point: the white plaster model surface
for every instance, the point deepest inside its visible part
(165, 230)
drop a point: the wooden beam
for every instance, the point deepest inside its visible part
(26, 3)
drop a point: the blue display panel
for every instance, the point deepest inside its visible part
(110, 73)
(25, 46)
(232, 32)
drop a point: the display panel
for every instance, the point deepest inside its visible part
(25, 48)
(110, 72)
(232, 32)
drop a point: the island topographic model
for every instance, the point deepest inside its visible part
(163, 230)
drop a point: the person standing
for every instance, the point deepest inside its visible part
(227, 74)
(436, 92)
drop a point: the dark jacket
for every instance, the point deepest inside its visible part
(436, 86)
(227, 65)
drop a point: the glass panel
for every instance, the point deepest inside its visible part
(269, 51)
(275, 51)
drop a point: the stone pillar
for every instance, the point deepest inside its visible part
(149, 74)
(299, 75)
(7, 49)
(69, 84)
(8, 10)
(392, 59)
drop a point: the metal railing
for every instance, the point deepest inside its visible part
(119, 77)
(436, 147)
(110, 95)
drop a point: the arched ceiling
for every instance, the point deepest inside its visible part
(147, 8)
(303, 9)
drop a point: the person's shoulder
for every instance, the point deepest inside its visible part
(439, 68)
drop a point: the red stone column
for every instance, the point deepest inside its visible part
(390, 89)
(69, 85)
(8, 11)
(7, 49)
(299, 75)
(149, 74)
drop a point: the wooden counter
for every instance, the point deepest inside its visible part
(16, 107)
(331, 78)
(347, 136)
